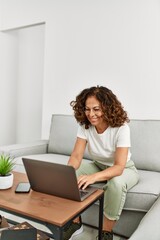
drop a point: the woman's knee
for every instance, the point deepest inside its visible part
(116, 184)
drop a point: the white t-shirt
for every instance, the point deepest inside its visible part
(102, 147)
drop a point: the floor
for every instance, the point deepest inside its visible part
(88, 232)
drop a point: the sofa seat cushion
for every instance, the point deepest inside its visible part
(142, 196)
(49, 157)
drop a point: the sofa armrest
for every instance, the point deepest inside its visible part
(19, 150)
(149, 226)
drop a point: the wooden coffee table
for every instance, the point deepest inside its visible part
(54, 212)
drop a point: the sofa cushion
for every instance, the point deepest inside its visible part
(145, 144)
(49, 157)
(145, 140)
(142, 196)
(57, 158)
(63, 134)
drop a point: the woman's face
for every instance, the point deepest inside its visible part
(94, 112)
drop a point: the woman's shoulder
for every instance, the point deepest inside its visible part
(125, 125)
(123, 128)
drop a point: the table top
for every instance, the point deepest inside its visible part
(40, 206)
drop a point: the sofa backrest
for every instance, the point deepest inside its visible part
(145, 144)
(63, 134)
(145, 140)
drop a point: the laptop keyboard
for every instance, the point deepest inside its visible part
(83, 192)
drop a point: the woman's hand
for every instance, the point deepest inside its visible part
(86, 180)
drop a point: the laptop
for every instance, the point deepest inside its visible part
(55, 179)
(21, 234)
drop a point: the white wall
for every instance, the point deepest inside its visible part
(22, 65)
(112, 43)
(8, 91)
(30, 83)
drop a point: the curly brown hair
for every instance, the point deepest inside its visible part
(114, 114)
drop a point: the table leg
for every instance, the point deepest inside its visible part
(57, 231)
(101, 200)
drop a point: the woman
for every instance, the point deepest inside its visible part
(104, 130)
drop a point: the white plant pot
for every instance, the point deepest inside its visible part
(6, 181)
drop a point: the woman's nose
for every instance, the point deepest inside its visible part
(91, 113)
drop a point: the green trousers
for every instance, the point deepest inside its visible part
(115, 189)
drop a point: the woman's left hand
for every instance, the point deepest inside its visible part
(85, 180)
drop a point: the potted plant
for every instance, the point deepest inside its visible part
(6, 175)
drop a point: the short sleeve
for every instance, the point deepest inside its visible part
(123, 136)
(81, 133)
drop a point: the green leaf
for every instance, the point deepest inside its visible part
(6, 164)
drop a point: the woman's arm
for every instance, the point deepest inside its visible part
(118, 166)
(77, 154)
(113, 171)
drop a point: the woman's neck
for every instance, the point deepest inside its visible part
(102, 128)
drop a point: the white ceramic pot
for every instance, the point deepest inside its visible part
(6, 181)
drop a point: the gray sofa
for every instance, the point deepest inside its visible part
(141, 212)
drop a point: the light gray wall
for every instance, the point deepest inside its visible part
(112, 43)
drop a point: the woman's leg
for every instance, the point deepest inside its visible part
(115, 194)
(115, 190)
(87, 169)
